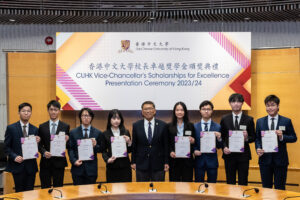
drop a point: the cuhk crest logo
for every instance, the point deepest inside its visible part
(125, 46)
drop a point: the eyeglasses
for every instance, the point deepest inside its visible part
(206, 109)
(85, 116)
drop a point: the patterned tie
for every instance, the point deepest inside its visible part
(272, 124)
(24, 131)
(149, 133)
(53, 132)
(236, 123)
(205, 127)
(85, 133)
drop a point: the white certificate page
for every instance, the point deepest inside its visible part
(182, 147)
(236, 141)
(207, 142)
(118, 146)
(58, 145)
(29, 148)
(269, 141)
(85, 149)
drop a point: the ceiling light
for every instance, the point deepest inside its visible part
(12, 20)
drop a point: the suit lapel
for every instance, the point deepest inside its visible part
(155, 132)
(279, 120)
(266, 125)
(212, 126)
(144, 131)
(59, 127)
(19, 128)
(231, 125)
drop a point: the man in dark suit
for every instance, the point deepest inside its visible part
(23, 171)
(206, 162)
(52, 168)
(149, 146)
(274, 165)
(84, 172)
(237, 120)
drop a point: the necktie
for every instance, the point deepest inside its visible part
(53, 132)
(149, 133)
(236, 123)
(205, 127)
(85, 133)
(24, 131)
(272, 124)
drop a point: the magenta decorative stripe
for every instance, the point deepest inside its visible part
(231, 49)
(75, 90)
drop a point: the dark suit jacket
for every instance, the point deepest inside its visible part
(208, 159)
(13, 149)
(88, 167)
(119, 162)
(150, 156)
(172, 132)
(289, 136)
(44, 145)
(227, 124)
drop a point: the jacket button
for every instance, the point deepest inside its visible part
(150, 146)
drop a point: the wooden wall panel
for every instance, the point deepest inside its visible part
(31, 77)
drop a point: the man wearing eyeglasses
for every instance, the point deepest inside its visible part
(84, 172)
(149, 146)
(23, 171)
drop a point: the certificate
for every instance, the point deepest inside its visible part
(207, 142)
(182, 147)
(58, 145)
(269, 141)
(29, 147)
(85, 149)
(236, 141)
(118, 146)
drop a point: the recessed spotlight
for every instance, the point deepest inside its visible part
(195, 20)
(151, 18)
(247, 18)
(60, 21)
(149, 21)
(105, 21)
(12, 20)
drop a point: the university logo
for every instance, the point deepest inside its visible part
(125, 45)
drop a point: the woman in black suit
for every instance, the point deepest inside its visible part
(181, 169)
(117, 169)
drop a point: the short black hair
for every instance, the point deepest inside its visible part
(236, 97)
(273, 98)
(112, 114)
(89, 111)
(205, 103)
(53, 103)
(22, 105)
(148, 102)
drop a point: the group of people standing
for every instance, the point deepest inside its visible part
(152, 146)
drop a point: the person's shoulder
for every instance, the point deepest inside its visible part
(75, 130)
(215, 124)
(63, 123)
(226, 117)
(283, 118)
(261, 119)
(247, 116)
(33, 126)
(160, 122)
(141, 121)
(12, 126)
(96, 130)
(46, 123)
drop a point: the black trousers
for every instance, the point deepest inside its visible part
(83, 179)
(180, 171)
(116, 175)
(52, 175)
(24, 181)
(144, 176)
(236, 165)
(270, 172)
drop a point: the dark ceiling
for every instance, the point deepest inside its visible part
(139, 11)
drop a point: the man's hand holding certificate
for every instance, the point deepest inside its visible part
(85, 149)
(236, 141)
(207, 142)
(29, 147)
(269, 141)
(118, 146)
(58, 145)
(182, 147)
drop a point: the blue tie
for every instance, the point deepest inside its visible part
(149, 133)
(205, 127)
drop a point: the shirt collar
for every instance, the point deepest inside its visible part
(22, 124)
(240, 115)
(51, 122)
(208, 122)
(275, 118)
(146, 122)
(88, 128)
